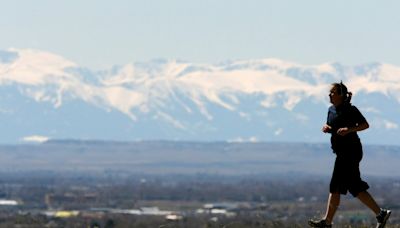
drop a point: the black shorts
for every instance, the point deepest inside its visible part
(346, 177)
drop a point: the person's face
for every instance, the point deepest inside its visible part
(335, 98)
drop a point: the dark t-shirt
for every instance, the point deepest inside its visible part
(345, 115)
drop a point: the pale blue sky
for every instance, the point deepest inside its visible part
(98, 34)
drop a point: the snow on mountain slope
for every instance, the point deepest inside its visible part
(46, 78)
(210, 83)
(264, 99)
(34, 68)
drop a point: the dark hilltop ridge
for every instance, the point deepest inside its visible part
(172, 157)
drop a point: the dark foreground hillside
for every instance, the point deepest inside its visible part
(202, 200)
(183, 184)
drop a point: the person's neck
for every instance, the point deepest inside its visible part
(342, 104)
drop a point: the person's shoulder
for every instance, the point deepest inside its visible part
(332, 108)
(353, 107)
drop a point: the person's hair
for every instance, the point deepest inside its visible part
(342, 90)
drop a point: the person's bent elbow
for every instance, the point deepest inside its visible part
(364, 126)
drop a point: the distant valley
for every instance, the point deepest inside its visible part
(188, 158)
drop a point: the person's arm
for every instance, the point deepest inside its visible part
(359, 127)
(326, 128)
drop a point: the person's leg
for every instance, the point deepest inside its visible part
(335, 187)
(359, 190)
(369, 201)
(333, 204)
(358, 187)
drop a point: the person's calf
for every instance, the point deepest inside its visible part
(369, 201)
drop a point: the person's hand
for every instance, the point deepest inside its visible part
(326, 128)
(343, 131)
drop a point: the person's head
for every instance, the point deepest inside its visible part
(339, 94)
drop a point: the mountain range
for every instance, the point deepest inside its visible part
(46, 96)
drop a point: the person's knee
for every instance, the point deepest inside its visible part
(335, 195)
(359, 194)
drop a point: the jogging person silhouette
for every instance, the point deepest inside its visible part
(343, 122)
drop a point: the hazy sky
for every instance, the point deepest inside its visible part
(99, 33)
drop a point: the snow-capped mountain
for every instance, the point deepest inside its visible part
(43, 95)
